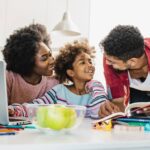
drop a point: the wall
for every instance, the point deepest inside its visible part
(95, 18)
(3, 20)
(18, 13)
(106, 14)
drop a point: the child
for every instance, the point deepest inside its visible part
(74, 63)
(28, 61)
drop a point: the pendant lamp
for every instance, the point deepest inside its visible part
(66, 25)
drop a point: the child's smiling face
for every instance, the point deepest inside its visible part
(83, 68)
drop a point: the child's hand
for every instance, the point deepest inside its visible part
(107, 108)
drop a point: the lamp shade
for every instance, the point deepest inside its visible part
(67, 26)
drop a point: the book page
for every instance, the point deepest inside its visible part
(136, 105)
(129, 107)
(110, 117)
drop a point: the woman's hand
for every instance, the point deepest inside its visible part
(10, 112)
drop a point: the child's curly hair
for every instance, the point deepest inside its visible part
(66, 57)
(22, 46)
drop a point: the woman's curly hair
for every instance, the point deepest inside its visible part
(43, 31)
(124, 42)
(21, 48)
(66, 57)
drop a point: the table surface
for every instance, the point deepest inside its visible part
(80, 139)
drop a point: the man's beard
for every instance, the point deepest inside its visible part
(121, 71)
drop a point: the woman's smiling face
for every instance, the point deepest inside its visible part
(44, 61)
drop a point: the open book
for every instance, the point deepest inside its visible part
(127, 112)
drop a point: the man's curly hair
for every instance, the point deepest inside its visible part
(66, 57)
(124, 42)
(21, 48)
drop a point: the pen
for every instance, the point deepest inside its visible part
(8, 133)
(13, 126)
(6, 130)
(19, 126)
(16, 129)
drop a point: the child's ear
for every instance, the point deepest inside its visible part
(70, 73)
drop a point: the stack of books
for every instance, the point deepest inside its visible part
(124, 121)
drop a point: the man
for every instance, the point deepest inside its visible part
(126, 68)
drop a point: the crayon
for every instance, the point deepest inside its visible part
(6, 130)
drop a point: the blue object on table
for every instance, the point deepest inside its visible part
(142, 120)
(20, 126)
(147, 127)
(7, 133)
(30, 127)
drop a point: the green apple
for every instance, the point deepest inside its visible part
(57, 117)
(72, 117)
(41, 115)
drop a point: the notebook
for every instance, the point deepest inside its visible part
(4, 116)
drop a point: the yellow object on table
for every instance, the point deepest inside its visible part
(104, 126)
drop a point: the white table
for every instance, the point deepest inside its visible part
(84, 138)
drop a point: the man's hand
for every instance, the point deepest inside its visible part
(107, 108)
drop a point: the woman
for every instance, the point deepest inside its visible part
(29, 64)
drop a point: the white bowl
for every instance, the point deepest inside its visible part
(77, 118)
